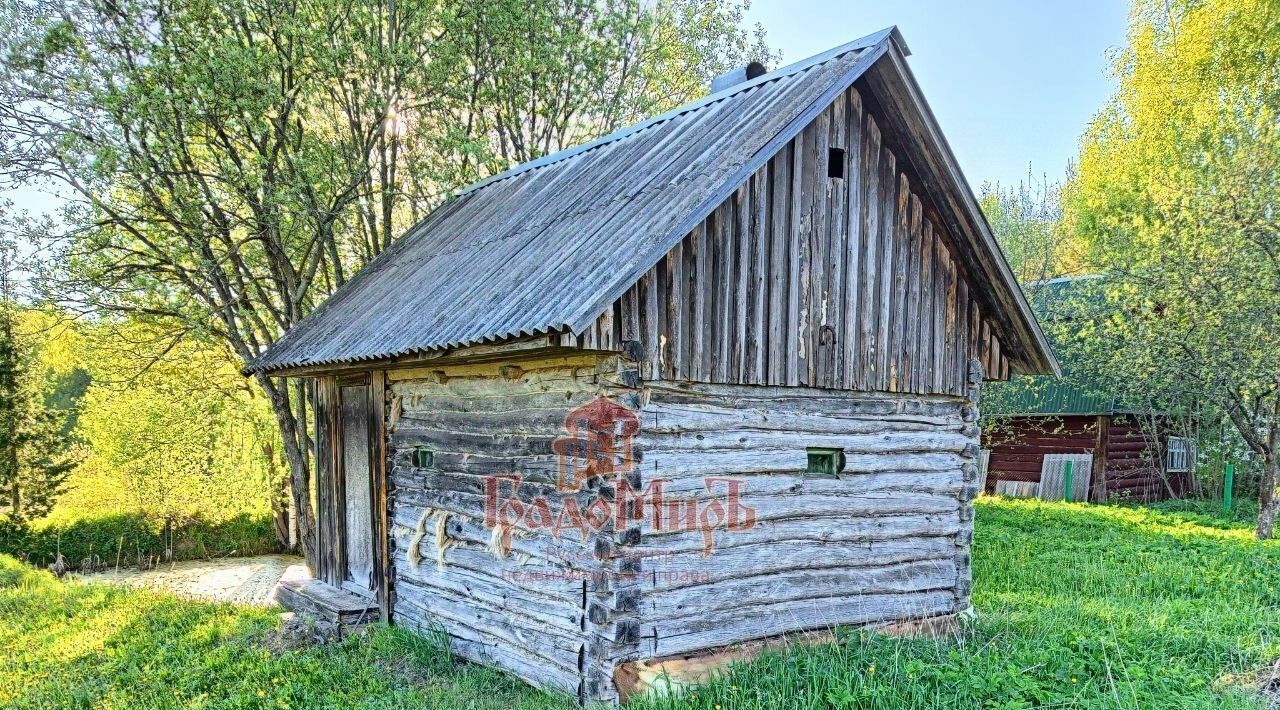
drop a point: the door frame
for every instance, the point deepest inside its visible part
(360, 380)
(331, 535)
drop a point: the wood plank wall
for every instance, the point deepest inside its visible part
(328, 496)
(804, 279)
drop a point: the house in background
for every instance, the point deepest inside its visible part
(704, 381)
(1117, 453)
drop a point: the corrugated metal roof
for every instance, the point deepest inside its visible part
(547, 245)
(1049, 395)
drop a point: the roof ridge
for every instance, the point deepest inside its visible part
(791, 69)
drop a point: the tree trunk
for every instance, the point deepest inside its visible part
(299, 471)
(1268, 505)
(280, 514)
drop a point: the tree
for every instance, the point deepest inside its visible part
(1026, 221)
(33, 446)
(1177, 198)
(231, 163)
(174, 438)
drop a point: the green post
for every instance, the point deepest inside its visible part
(1066, 481)
(1228, 482)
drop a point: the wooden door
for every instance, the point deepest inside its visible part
(355, 466)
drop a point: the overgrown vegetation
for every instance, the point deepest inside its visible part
(1078, 606)
(174, 452)
(110, 539)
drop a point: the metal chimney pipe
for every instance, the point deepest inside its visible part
(737, 76)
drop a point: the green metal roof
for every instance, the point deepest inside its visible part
(1045, 395)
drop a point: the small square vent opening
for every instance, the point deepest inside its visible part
(835, 163)
(423, 457)
(825, 462)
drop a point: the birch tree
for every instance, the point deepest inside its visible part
(1177, 198)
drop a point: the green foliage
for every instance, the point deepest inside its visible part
(104, 535)
(166, 431)
(12, 572)
(79, 645)
(34, 445)
(170, 429)
(1026, 221)
(1077, 606)
(1177, 199)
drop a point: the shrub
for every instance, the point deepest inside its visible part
(12, 572)
(131, 534)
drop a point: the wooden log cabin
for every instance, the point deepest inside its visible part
(707, 380)
(1036, 424)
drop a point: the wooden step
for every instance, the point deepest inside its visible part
(337, 613)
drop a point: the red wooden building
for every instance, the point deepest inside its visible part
(1035, 425)
(1113, 457)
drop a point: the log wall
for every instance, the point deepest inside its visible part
(1133, 463)
(526, 608)
(1127, 463)
(884, 540)
(802, 278)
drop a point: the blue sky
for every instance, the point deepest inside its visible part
(1012, 83)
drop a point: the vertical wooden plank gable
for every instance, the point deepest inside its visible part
(869, 268)
(830, 339)
(779, 290)
(901, 265)
(741, 282)
(854, 186)
(758, 337)
(912, 360)
(802, 278)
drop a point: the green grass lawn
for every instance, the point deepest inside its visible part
(1077, 606)
(92, 645)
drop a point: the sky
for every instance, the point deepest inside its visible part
(1013, 83)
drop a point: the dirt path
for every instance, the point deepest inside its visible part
(245, 580)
